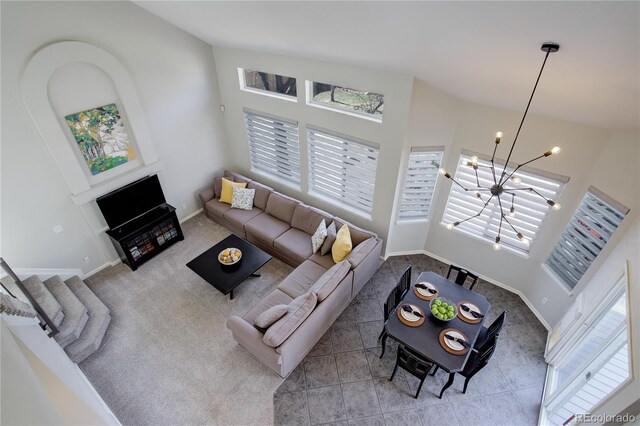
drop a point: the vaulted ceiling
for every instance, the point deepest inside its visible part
(485, 52)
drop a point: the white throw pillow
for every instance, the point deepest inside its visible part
(318, 237)
(242, 198)
(270, 316)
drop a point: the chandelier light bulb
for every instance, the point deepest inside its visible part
(555, 150)
(498, 137)
(466, 163)
(477, 194)
(474, 160)
(512, 212)
(515, 179)
(497, 246)
(449, 226)
(556, 206)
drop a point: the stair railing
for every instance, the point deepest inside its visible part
(45, 321)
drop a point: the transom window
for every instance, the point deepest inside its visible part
(273, 145)
(420, 182)
(346, 100)
(342, 169)
(592, 225)
(266, 83)
(529, 210)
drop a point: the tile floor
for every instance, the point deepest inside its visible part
(342, 380)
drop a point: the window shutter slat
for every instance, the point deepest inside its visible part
(342, 169)
(586, 234)
(274, 148)
(419, 184)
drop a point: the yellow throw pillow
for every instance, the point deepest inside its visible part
(227, 190)
(342, 246)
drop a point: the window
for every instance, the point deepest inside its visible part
(530, 210)
(268, 84)
(591, 226)
(420, 182)
(344, 99)
(342, 169)
(595, 365)
(273, 145)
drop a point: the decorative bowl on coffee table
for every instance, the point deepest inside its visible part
(230, 256)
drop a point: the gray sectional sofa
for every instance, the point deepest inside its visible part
(283, 226)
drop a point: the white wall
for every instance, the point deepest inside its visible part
(175, 77)
(389, 134)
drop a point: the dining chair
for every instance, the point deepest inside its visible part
(404, 283)
(412, 363)
(488, 333)
(476, 362)
(392, 301)
(462, 275)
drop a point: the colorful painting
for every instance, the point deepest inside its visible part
(102, 138)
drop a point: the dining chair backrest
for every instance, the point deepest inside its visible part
(479, 360)
(412, 363)
(462, 275)
(391, 302)
(404, 283)
(495, 328)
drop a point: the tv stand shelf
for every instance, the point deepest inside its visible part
(147, 235)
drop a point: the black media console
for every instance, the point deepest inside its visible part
(147, 235)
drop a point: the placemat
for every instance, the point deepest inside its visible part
(447, 348)
(423, 297)
(409, 323)
(465, 319)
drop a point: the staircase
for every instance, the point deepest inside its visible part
(81, 318)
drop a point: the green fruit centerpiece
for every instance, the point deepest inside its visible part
(443, 309)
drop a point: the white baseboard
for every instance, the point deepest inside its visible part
(186, 218)
(490, 280)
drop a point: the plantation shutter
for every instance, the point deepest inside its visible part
(586, 234)
(342, 169)
(531, 210)
(420, 182)
(274, 148)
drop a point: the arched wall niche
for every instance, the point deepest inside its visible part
(46, 104)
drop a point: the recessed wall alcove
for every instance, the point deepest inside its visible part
(72, 76)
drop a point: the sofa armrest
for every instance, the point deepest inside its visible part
(251, 339)
(361, 251)
(206, 195)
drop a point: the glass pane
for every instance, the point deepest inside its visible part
(275, 83)
(602, 329)
(348, 99)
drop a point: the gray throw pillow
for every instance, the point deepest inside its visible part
(318, 237)
(270, 316)
(330, 280)
(242, 198)
(299, 309)
(331, 238)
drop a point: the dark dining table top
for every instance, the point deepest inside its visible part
(424, 338)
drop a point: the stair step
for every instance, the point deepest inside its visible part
(75, 312)
(45, 299)
(99, 318)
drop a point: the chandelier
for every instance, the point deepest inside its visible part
(505, 184)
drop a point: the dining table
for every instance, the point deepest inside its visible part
(424, 339)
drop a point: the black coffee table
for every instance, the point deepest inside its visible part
(226, 278)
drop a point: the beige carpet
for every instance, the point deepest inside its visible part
(167, 357)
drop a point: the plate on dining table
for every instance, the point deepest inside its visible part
(425, 294)
(451, 344)
(469, 312)
(408, 318)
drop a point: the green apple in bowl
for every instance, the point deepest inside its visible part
(443, 309)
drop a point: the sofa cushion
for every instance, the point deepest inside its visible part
(276, 297)
(217, 186)
(271, 315)
(325, 261)
(242, 198)
(266, 228)
(262, 194)
(299, 309)
(281, 207)
(330, 280)
(361, 251)
(227, 190)
(239, 217)
(307, 218)
(331, 238)
(216, 208)
(343, 245)
(301, 279)
(358, 235)
(236, 177)
(294, 244)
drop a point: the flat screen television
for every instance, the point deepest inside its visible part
(131, 201)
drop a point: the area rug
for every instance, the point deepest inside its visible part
(167, 357)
